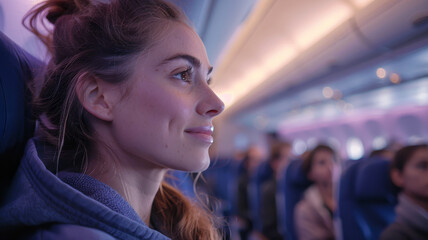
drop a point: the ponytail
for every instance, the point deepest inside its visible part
(179, 218)
(51, 11)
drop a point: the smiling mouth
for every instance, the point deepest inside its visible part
(202, 134)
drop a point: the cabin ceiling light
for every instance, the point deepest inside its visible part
(306, 34)
(361, 3)
(381, 73)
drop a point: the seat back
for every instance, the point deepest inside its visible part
(290, 191)
(263, 173)
(351, 222)
(367, 199)
(17, 70)
(183, 181)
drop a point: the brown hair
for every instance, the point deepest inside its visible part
(307, 162)
(276, 150)
(102, 40)
(194, 223)
(404, 155)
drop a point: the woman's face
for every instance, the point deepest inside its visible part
(322, 168)
(414, 178)
(165, 119)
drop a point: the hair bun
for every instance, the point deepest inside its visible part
(59, 8)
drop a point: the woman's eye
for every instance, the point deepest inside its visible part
(185, 75)
(423, 165)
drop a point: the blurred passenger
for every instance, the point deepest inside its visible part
(314, 213)
(409, 171)
(249, 165)
(278, 160)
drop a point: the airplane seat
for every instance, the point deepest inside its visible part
(229, 184)
(352, 224)
(290, 190)
(263, 172)
(222, 180)
(376, 195)
(233, 171)
(225, 175)
(366, 201)
(17, 71)
(182, 181)
(348, 163)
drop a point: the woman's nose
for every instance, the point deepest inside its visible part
(210, 104)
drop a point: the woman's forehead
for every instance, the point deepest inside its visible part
(179, 39)
(323, 153)
(419, 154)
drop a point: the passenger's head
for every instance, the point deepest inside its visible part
(253, 157)
(280, 154)
(319, 165)
(129, 76)
(409, 171)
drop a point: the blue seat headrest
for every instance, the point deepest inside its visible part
(17, 70)
(373, 181)
(264, 171)
(296, 175)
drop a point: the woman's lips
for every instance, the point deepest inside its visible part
(203, 134)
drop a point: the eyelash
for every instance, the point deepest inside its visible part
(188, 75)
(188, 72)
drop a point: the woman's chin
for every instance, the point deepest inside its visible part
(196, 166)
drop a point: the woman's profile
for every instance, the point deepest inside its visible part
(409, 172)
(125, 97)
(314, 213)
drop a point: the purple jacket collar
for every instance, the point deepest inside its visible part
(36, 196)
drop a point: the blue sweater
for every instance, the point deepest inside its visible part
(40, 205)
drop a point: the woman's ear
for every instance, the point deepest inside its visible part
(93, 95)
(397, 177)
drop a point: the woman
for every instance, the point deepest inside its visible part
(409, 171)
(125, 98)
(314, 213)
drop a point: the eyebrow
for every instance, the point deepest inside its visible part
(194, 61)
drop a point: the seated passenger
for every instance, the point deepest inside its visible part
(278, 161)
(249, 164)
(409, 171)
(314, 213)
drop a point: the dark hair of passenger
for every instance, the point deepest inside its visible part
(102, 39)
(403, 155)
(276, 150)
(378, 152)
(307, 162)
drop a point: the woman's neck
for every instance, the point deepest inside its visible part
(138, 185)
(326, 192)
(423, 203)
